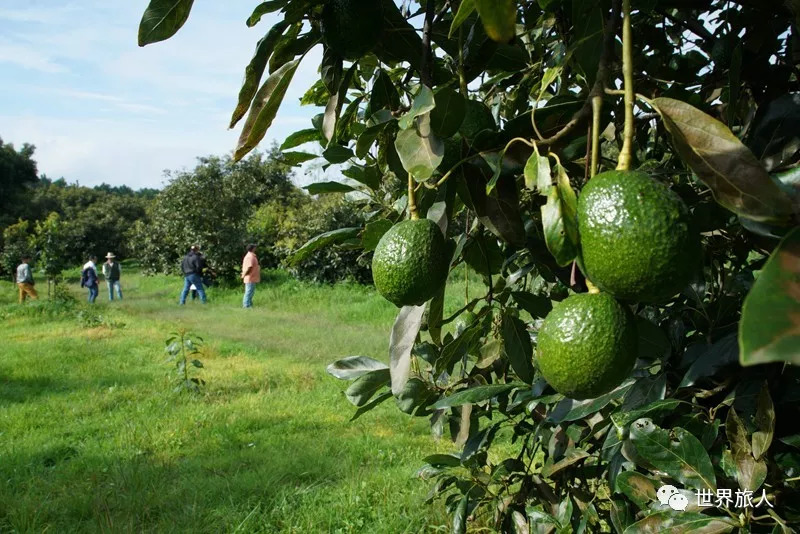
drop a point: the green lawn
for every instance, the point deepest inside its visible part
(93, 438)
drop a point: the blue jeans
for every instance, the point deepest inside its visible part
(249, 291)
(111, 285)
(197, 280)
(93, 291)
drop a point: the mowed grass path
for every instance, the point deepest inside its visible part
(93, 438)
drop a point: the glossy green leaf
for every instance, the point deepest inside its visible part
(373, 231)
(404, 333)
(162, 19)
(518, 348)
(498, 211)
(475, 395)
(624, 418)
(572, 410)
(465, 9)
(321, 188)
(770, 327)
(559, 219)
(717, 356)
(384, 94)
(684, 522)
(320, 241)
(264, 108)
(460, 346)
(499, 18)
(571, 457)
(678, 453)
(424, 102)
(337, 154)
(301, 137)
(371, 404)
(296, 158)
(638, 488)
(736, 178)
(284, 48)
(353, 367)
(369, 176)
(254, 71)
(365, 386)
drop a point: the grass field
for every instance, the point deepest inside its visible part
(93, 438)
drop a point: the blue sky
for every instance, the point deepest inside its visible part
(101, 109)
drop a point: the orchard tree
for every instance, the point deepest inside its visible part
(627, 175)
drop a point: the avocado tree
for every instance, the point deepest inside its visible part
(624, 176)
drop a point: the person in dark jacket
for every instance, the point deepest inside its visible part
(112, 273)
(192, 267)
(89, 278)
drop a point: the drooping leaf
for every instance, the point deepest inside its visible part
(499, 18)
(684, 522)
(774, 138)
(162, 19)
(457, 348)
(537, 173)
(559, 219)
(254, 71)
(373, 231)
(769, 330)
(369, 176)
(321, 188)
(736, 178)
(447, 116)
(748, 472)
(517, 347)
(719, 355)
(465, 9)
(572, 410)
(678, 453)
(765, 423)
(419, 149)
(366, 385)
(371, 404)
(404, 333)
(285, 47)
(336, 100)
(588, 47)
(354, 366)
(384, 94)
(475, 395)
(435, 317)
(320, 241)
(262, 9)
(264, 108)
(499, 211)
(571, 457)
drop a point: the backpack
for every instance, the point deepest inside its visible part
(88, 277)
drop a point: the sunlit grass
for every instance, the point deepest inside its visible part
(93, 438)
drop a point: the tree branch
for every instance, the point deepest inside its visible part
(426, 74)
(603, 69)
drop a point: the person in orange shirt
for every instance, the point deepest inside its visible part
(251, 275)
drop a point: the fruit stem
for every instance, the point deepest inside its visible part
(593, 289)
(597, 107)
(624, 162)
(412, 201)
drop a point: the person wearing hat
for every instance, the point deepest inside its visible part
(112, 272)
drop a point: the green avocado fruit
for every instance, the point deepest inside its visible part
(587, 345)
(351, 28)
(411, 262)
(635, 235)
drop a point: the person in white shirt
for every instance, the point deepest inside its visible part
(89, 278)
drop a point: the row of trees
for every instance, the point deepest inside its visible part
(220, 205)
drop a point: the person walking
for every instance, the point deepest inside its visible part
(251, 275)
(89, 278)
(192, 267)
(111, 272)
(25, 281)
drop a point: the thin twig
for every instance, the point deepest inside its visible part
(426, 74)
(603, 69)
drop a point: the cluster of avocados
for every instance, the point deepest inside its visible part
(636, 246)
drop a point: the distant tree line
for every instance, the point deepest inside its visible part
(219, 205)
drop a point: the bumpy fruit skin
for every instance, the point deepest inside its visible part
(587, 345)
(636, 240)
(410, 262)
(352, 28)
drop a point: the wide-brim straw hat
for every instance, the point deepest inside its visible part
(110, 255)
